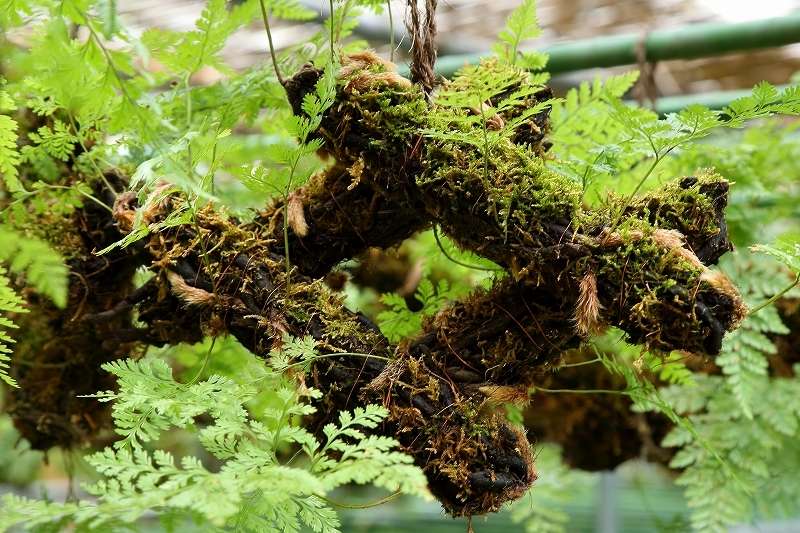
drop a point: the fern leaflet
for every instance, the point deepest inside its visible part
(10, 302)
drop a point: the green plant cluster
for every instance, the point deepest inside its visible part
(253, 490)
(737, 435)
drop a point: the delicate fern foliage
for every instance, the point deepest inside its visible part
(185, 53)
(367, 461)
(399, 322)
(290, 174)
(748, 419)
(289, 156)
(647, 398)
(787, 250)
(9, 156)
(10, 302)
(584, 133)
(84, 81)
(743, 358)
(764, 102)
(295, 352)
(671, 369)
(253, 490)
(94, 106)
(470, 107)
(43, 266)
(757, 449)
(521, 24)
(652, 137)
(475, 91)
(598, 145)
(163, 403)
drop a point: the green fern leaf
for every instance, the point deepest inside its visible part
(399, 322)
(44, 267)
(9, 155)
(785, 249)
(10, 302)
(521, 24)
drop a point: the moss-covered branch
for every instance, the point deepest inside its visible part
(648, 277)
(400, 166)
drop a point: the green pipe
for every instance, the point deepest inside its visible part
(689, 42)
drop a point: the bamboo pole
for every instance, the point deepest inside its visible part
(688, 42)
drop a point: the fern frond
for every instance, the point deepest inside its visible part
(399, 322)
(43, 266)
(585, 136)
(743, 358)
(521, 24)
(252, 491)
(10, 302)
(150, 400)
(9, 154)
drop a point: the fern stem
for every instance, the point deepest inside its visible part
(205, 362)
(196, 224)
(630, 197)
(269, 38)
(300, 364)
(330, 4)
(586, 391)
(188, 89)
(582, 363)
(375, 503)
(74, 125)
(286, 240)
(28, 194)
(584, 184)
(456, 261)
(391, 31)
(340, 24)
(774, 298)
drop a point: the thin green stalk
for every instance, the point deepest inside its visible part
(586, 173)
(301, 364)
(485, 144)
(286, 238)
(630, 197)
(196, 225)
(276, 439)
(456, 261)
(345, 8)
(330, 4)
(375, 503)
(269, 38)
(74, 125)
(213, 159)
(589, 391)
(205, 362)
(391, 31)
(28, 194)
(245, 510)
(188, 89)
(774, 298)
(582, 363)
